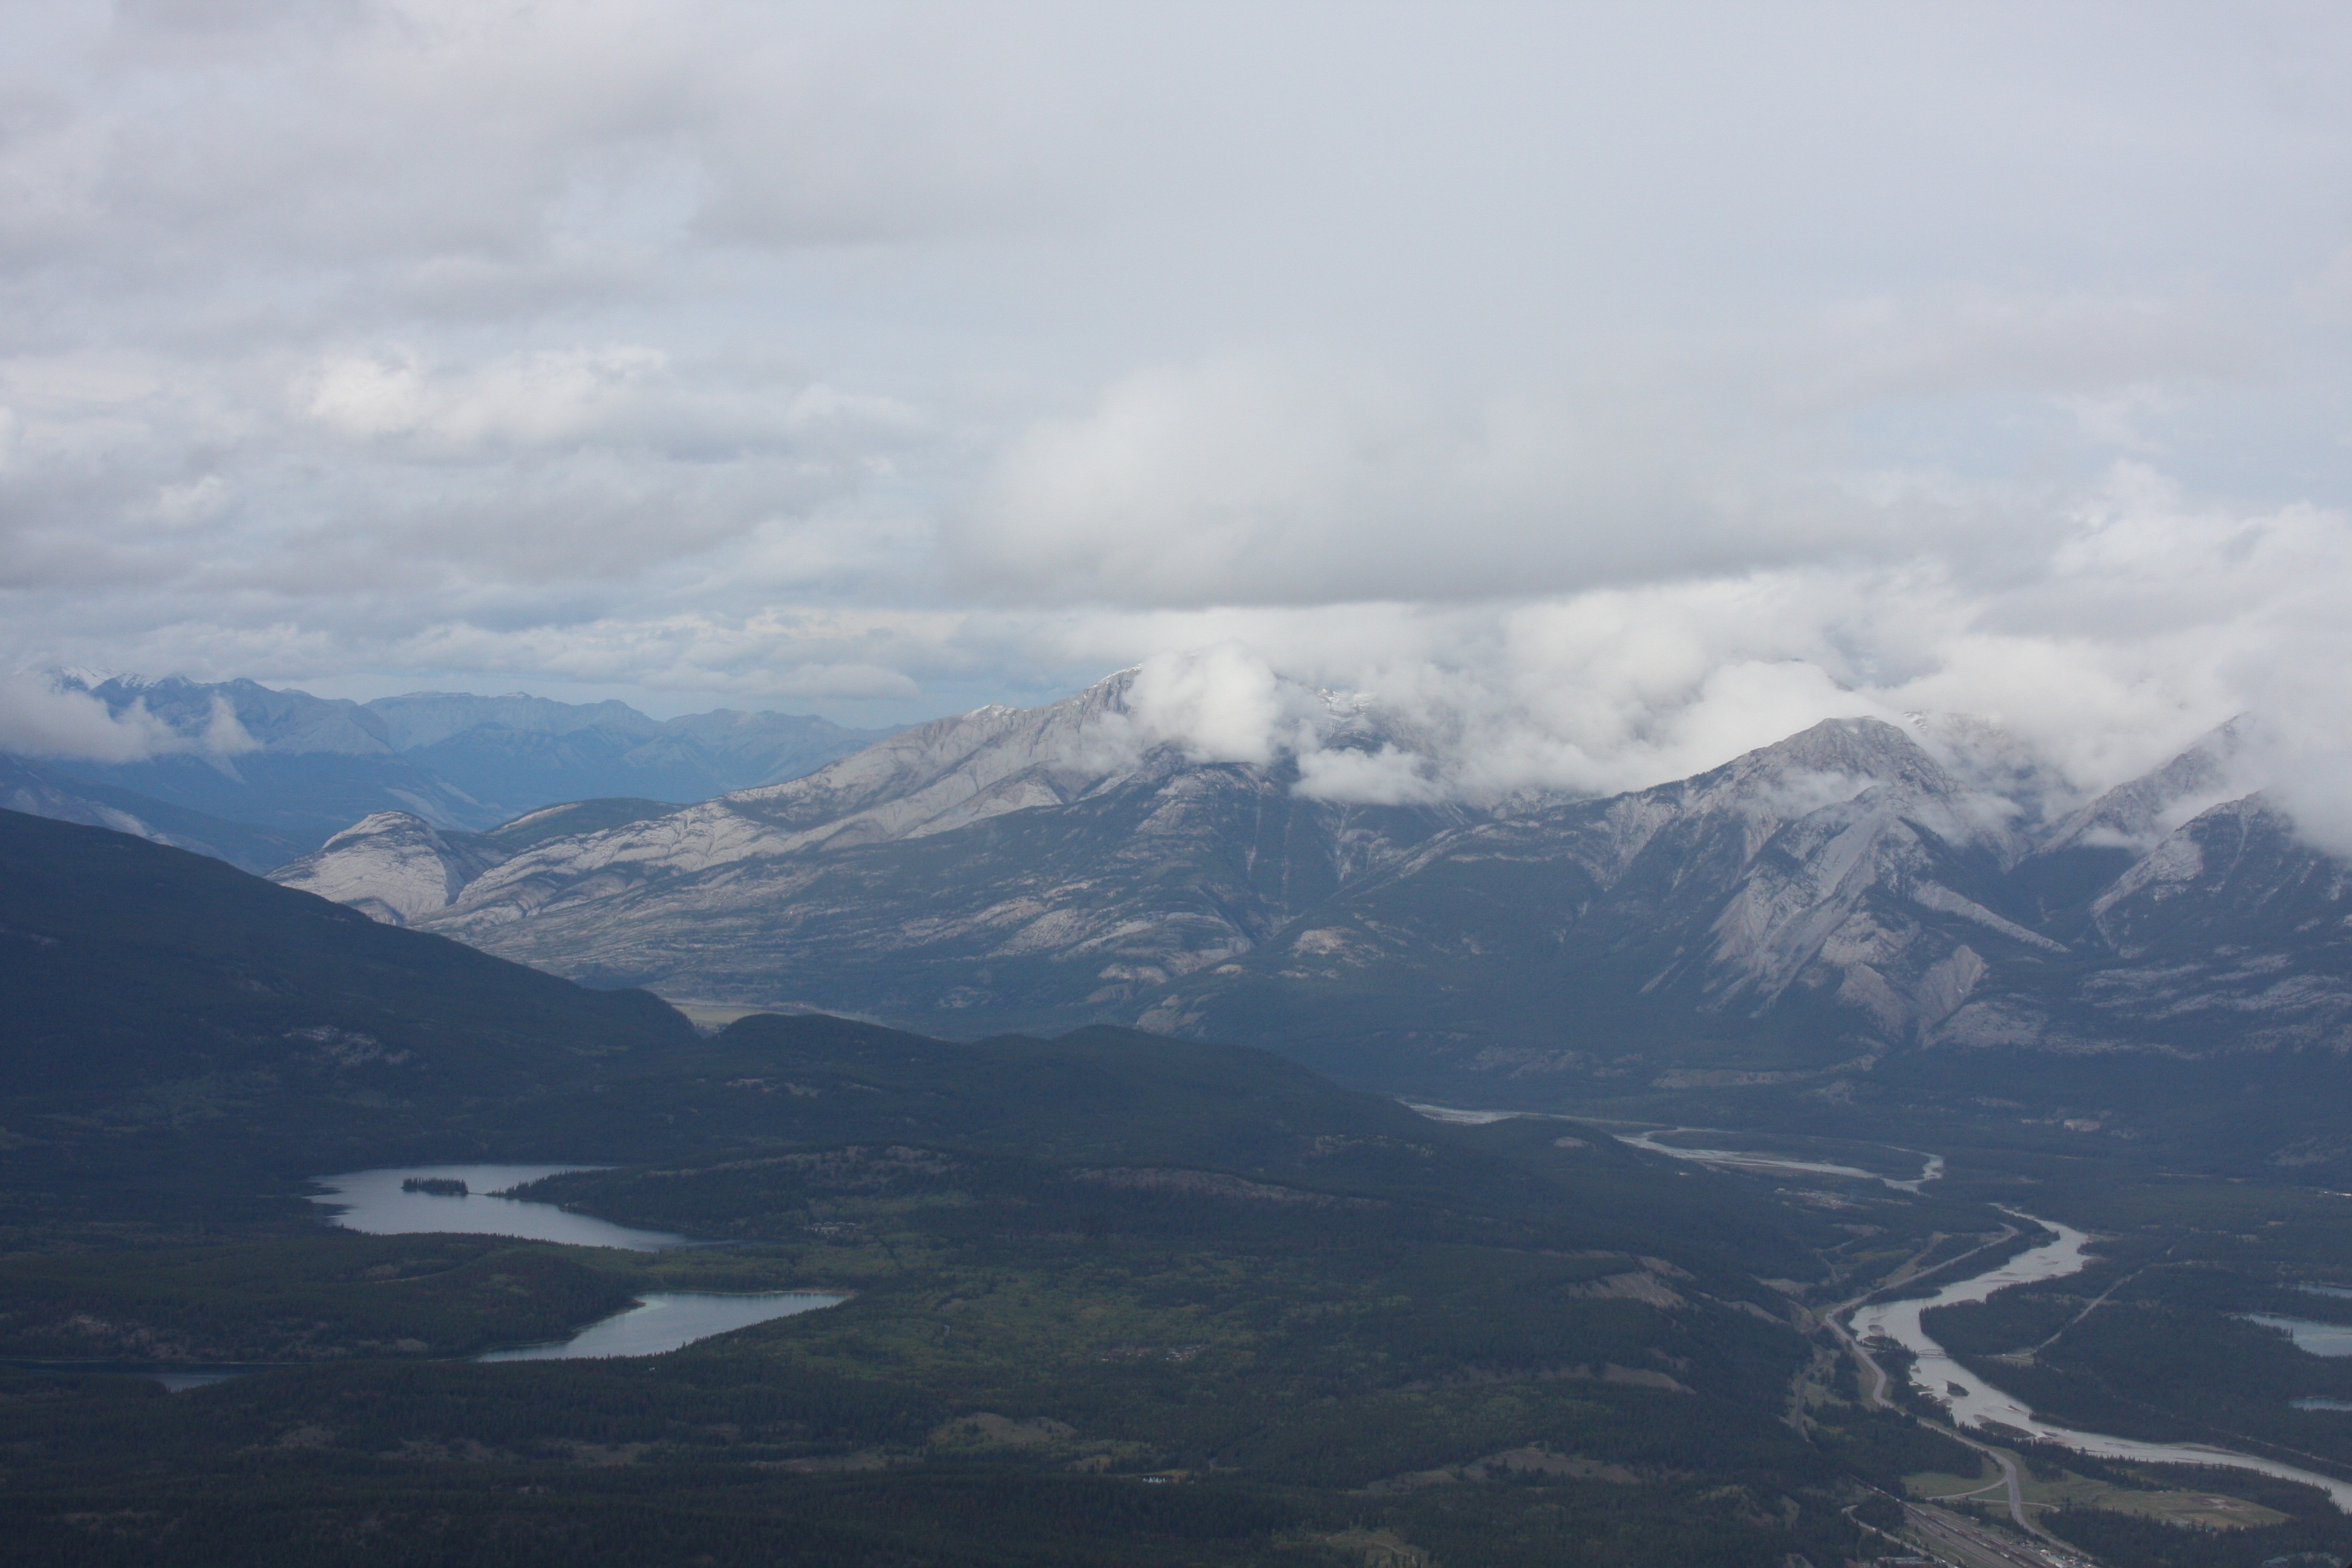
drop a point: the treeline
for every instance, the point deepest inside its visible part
(309, 1298)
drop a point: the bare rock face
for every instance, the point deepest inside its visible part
(1831, 894)
(390, 867)
(1857, 891)
(2229, 934)
(1004, 867)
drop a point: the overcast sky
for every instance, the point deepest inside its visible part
(1646, 381)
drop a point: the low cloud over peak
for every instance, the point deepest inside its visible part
(1604, 391)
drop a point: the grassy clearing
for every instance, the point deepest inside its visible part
(1937, 1485)
(1375, 1549)
(2215, 1510)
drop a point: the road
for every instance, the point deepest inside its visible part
(1874, 1397)
(1946, 1534)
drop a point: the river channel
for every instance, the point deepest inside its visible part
(1976, 1403)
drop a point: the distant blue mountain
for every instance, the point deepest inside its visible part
(301, 768)
(44, 790)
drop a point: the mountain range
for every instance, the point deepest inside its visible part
(300, 768)
(1861, 892)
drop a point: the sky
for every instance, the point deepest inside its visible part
(1612, 387)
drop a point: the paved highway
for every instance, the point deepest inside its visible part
(1948, 1535)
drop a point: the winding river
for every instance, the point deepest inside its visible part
(1976, 1403)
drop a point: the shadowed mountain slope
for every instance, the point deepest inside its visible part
(39, 790)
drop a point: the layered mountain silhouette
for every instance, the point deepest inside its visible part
(41, 790)
(302, 768)
(1860, 890)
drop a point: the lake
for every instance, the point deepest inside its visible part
(2319, 1338)
(1931, 1169)
(379, 1203)
(667, 1320)
(372, 1202)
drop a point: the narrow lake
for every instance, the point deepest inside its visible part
(389, 1203)
(1976, 1403)
(1931, 1169)
(373, 1202)
(1931, 1166)
(667, 1319)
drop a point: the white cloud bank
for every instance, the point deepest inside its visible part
(41, 715)
(1606, 388)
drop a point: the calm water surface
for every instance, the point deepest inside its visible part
(2319, 1338)
(1931, 1169)
(371, 1202)
(665, 1320)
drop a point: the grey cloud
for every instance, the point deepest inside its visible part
(43, 717)
(1602, 386)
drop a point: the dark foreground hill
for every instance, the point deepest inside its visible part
(167, 1011)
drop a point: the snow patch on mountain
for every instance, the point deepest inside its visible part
(2140, 814)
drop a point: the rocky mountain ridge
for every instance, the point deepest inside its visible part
(1857, 889)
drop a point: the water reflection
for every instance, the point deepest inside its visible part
(668, 1320)
(372, 1202)
(2319, 1338)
